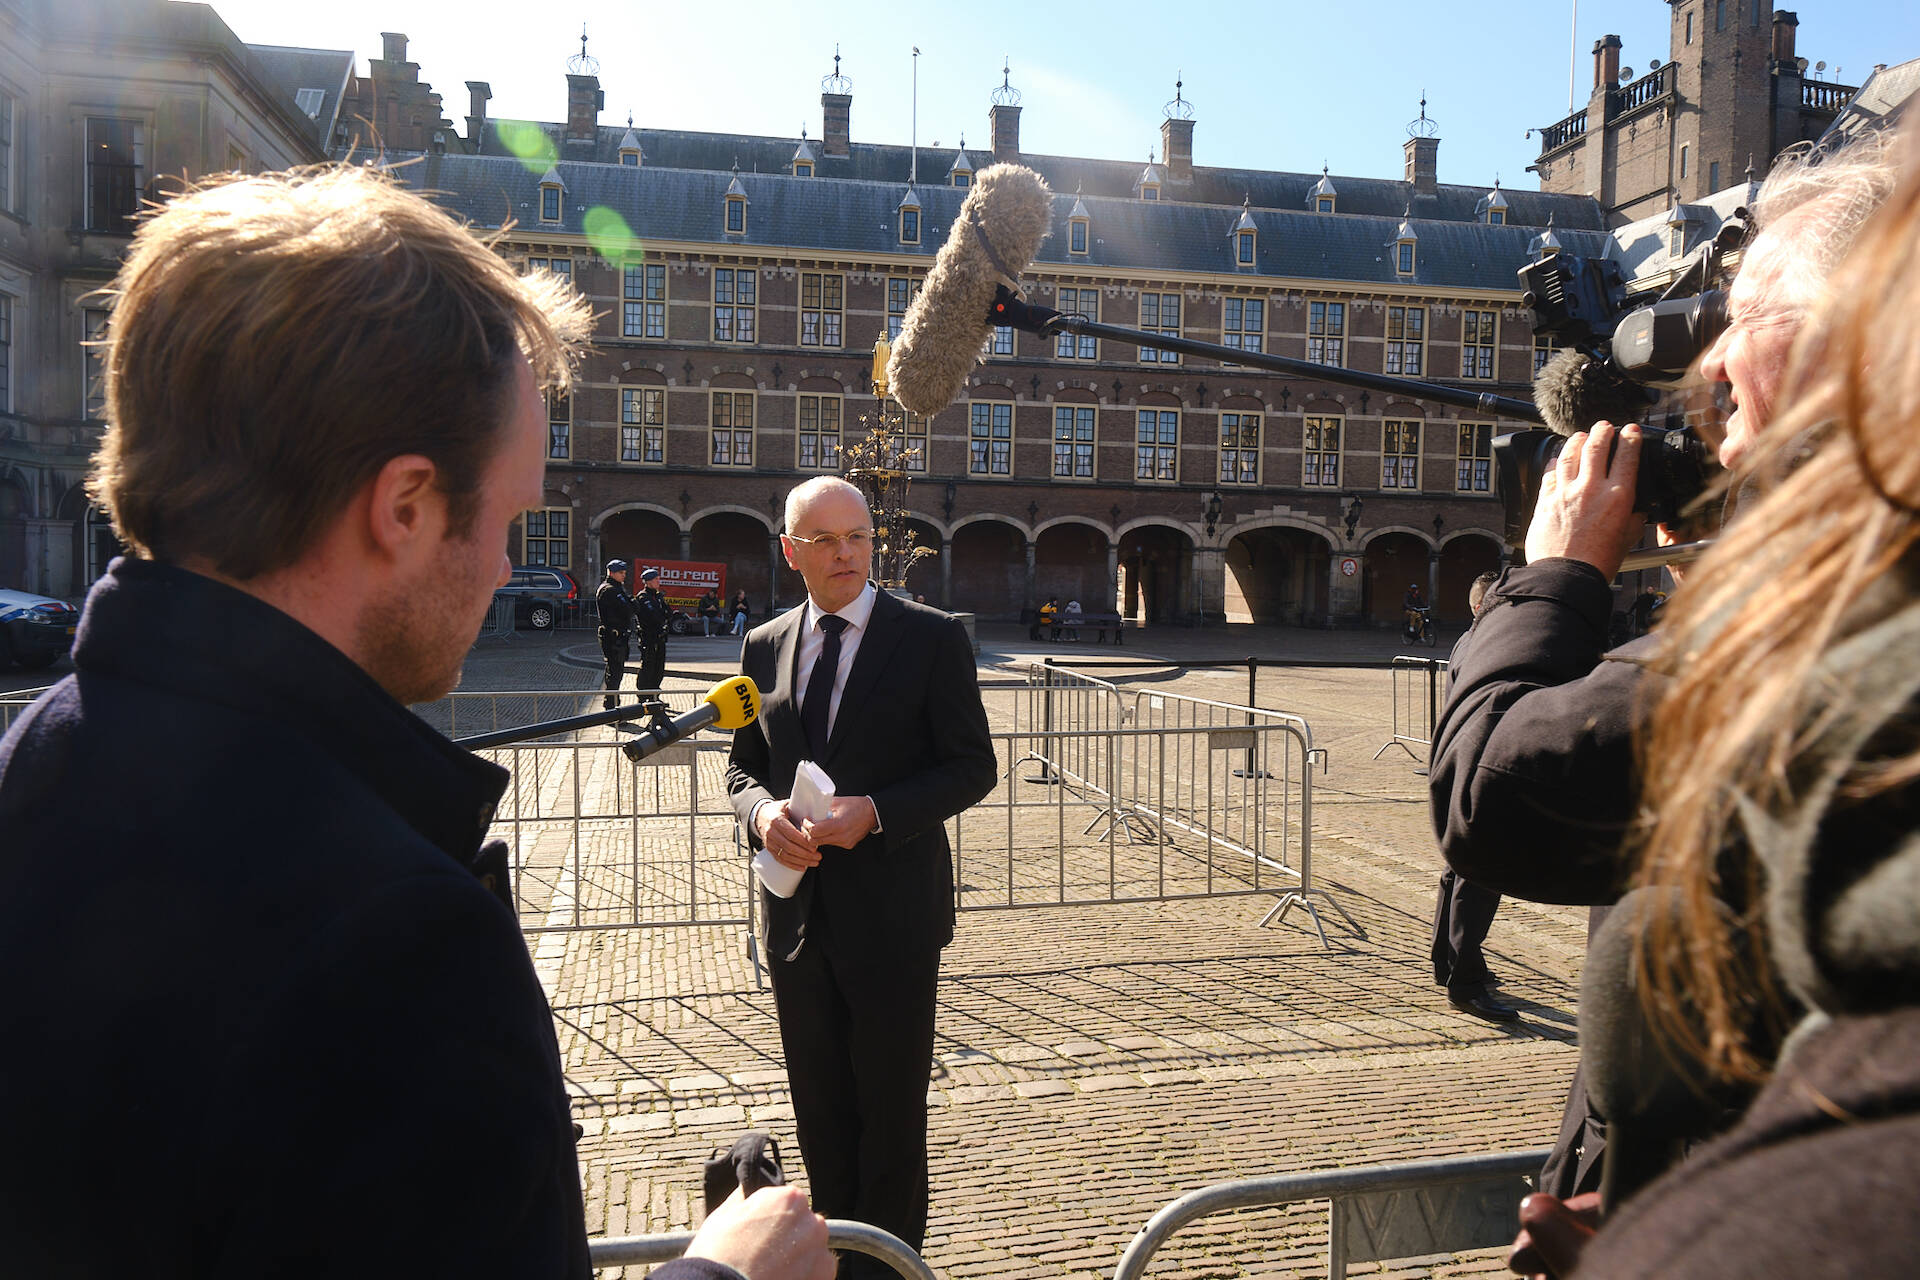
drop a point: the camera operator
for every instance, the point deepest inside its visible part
(1532, 782)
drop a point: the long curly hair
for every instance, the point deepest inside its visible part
(1754, 618)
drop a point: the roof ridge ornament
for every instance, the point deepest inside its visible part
(1423, 127)
(1006, 95)
(582, 63)
(836, 83)
(1179, 108)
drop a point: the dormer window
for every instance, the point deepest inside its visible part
(1497, 217)
(736, 207)
(630, 146)
(1323, 197)
(1079, 228)
(1147, 185)
(550, 196)
(961, 174)
(1245, 236)
(1493, 206)
(804, 158)
(961, 179)
(630, 159)
(1403, 246)
(910, 218)
(1546, 244)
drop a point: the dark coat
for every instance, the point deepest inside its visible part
(651, 617)
(911, 733)
(615, 607)
(265, 1021)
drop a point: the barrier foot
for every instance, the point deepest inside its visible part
(1394, 743)
(1302, 897)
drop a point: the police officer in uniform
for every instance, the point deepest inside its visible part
(616, 625)
(651, 615)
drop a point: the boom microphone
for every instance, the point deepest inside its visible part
(1573, 391)
(1003, 220)
(731, 704)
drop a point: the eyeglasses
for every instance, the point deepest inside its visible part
(860, 542)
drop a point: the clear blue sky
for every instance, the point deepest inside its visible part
(1276, 85)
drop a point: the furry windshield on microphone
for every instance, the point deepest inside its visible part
(1573, 391)
(997, 233)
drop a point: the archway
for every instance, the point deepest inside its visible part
(1156, 571)
(990, 570)
(739, 542)
(637, 534)
(1393, 561)
(1070, 561)
(1463, 559)
(1278, 574)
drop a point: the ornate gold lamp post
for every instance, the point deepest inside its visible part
(878, 466)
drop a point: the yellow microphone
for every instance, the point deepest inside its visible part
(731, 704)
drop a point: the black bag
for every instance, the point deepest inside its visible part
(752, 1162)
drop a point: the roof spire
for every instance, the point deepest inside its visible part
(836, 83)
(582, 64)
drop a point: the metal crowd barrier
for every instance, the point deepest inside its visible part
(841, 1234)
(1379, 1212)
(13, 704)
(1416, 704)
(1147, 797)
(596, 840)
(499, 624)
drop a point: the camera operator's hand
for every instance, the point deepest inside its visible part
(770, 1235)
(1585, 511)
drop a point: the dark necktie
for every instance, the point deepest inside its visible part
(815, 710)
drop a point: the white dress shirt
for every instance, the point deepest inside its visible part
(813, 638)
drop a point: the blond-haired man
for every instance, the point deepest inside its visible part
(270, 1017)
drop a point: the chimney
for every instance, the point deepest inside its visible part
(479, 93)
(1784, 23)
(1004, 118)
(585, 98)
(393, 47)
(1423, 151)
(1423, 165)
(836, 113)
(1606, 62)
(1176, 137)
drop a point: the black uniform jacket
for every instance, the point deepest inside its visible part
(911, 733)
(615, 607)
(264, 1020)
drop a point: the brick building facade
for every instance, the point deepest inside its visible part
(1731, 96)
(740, 281)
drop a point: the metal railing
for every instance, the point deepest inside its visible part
(1175, 797)
(1416, 704)
(859, 1237)
(1378, 1212)
(13, 704)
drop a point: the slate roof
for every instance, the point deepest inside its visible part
(1880, 101)
(883, 162)
(1642, 248)
(327, 70)
(858, 218)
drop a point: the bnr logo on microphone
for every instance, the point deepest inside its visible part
(745, 693)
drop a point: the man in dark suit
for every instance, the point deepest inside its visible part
(882, 694)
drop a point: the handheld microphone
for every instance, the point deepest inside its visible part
(1002, 221)
(1654, 1097)
(731, 704)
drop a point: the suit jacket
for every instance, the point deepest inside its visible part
(911, 733)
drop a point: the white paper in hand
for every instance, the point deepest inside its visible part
(812, 801)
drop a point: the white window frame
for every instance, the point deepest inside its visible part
(643, 301)
(1406, 357)
(1156, 458)
(1237, 449)
(990, 438)
(643, 425)
(901, 291)
(1479, 344)
(1076, 442)
(735, 320)
(1399, 464)
(1321, 467)
(1153, 315)
(538, 541)
(733, 402)
(1235, 331)
(818, 419)
(1473, 458)
(1327, 335)
(1074, 301)
(828, 323)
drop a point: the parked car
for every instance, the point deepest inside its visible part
(35, 631)
(542, 596)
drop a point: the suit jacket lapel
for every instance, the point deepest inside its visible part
(885, 625)
(782, 709)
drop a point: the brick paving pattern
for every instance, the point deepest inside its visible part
(1093, 1061)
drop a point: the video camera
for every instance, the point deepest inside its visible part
(1616, 346)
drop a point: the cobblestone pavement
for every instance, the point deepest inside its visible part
(1093, 1061)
